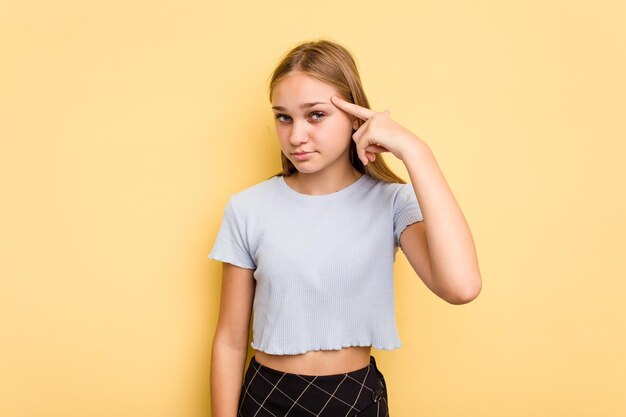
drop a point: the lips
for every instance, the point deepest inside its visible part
(302, 155)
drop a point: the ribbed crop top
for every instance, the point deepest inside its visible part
(323, 264)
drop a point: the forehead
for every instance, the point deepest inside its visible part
(298, 87)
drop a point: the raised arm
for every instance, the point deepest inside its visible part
(230, 344)
(443, 241)
(440, 249)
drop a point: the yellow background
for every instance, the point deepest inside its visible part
(125, 126)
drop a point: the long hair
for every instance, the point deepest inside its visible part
(332, 64)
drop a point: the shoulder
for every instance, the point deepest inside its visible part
(242, 207)
(390, 190)
(255, 195)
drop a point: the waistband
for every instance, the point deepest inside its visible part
(329, 378)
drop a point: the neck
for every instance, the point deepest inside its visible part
(325, 182)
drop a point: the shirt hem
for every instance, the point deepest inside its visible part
(230, 260)
(326, 347)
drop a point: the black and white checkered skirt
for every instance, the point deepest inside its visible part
(269, 392)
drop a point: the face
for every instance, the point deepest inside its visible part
(313, 133)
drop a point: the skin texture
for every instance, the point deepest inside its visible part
(230, 343)
(323, 129)
(440, 249)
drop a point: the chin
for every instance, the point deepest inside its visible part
(303, 170)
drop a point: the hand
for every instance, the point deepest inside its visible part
(379, 133)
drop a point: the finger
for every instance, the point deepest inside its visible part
(387, 112)
(354, 109)
(370, 152)
(360, 151)
(361, 131)
(376, 149)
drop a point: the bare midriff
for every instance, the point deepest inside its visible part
(318, 362)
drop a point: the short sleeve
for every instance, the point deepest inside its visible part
(406, 211)
(231, 245)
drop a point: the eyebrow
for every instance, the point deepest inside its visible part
(302, 106)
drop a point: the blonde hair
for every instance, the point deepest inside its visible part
(332, 64)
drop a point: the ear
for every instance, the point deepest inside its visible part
(355, 123)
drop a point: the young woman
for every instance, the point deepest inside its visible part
(309, 253)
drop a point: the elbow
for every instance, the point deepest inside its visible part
(466, 293)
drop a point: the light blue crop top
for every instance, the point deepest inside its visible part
(323, 264)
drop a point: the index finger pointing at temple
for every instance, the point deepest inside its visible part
(354, 109)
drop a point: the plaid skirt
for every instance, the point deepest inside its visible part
(268, 392)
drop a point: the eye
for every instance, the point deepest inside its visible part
(317, 115)
(282, 118)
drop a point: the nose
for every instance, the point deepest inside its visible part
(298, 134)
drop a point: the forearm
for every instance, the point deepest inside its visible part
(453, 259)
(227, 365)
(453, 265)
